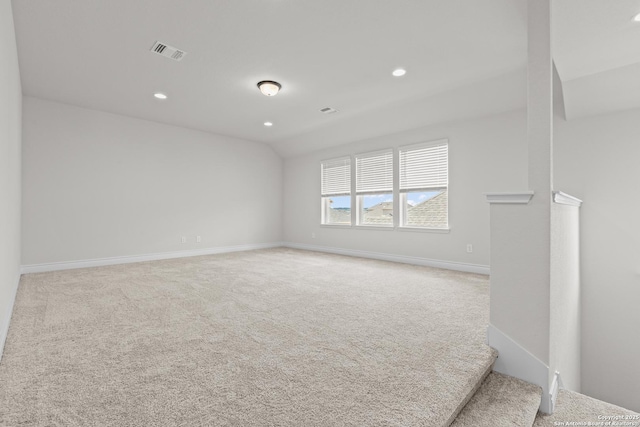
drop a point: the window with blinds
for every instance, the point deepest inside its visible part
(424, 182)
(374, 188)
(336, 191)
(416, 176)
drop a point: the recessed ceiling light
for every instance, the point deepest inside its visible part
(637, 18)
(268, 124)
(160, 95)
(399, 72)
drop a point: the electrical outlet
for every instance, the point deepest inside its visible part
(469, 248)
(184, 239)
(198, 239)
(313, 235)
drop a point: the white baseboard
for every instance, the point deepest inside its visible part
(449, 265)
(68, 265)
(4, 326)
(516, 361)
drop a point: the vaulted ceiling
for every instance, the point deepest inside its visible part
(597, 54)
(464, 59)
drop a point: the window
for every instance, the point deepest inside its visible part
(374, 188)
(424, 181)
(336, 191)
(407, 188)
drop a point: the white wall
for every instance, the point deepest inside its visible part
(10, 140)
(519, 298)
(99, 185)
(597, 161)
(484, 154)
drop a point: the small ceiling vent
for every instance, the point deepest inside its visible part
(168, 51)
(328, 110)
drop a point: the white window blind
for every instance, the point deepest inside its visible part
(336, 177)
(374, 172)
(424, 167)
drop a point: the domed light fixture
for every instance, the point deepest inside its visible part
(269, 88)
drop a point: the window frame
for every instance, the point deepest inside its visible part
(374, 183)
(333, 187)
(398, 193)
(440, 184)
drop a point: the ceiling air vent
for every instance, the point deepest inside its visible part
(328, 110)
(168, 51)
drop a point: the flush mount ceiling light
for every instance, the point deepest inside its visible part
(637, 18)
(268, 124)
(269, 88)
(399, 72)
(160, 95)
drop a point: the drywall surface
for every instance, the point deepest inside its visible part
(564, 334)
(596, 160)
(10, 163)
(100, 185)
(487, 154)
(519, 290)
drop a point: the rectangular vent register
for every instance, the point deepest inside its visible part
(167, 51)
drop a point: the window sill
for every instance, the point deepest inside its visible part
(425, 230)
(336, 226)
(379, 228)
(374, 227)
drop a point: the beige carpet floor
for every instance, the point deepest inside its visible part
(575, 409)
(276, 337)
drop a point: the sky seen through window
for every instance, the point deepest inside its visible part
(344, 202)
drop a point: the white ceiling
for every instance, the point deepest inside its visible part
(597, 54)
(464, 59)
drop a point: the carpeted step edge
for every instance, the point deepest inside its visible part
(501, 401)
(475, 385)
(582, 409)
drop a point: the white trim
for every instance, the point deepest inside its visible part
(448, 265)
(336, 225)
(4, 327)
(424, 229)
(373, 153)
(555, 387)
(374, 227)
(67, 265)
(565, 199)
(390, 228)
(516, 361)
(424, 144)
(522, 197)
